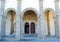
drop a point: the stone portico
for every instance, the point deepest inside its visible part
(29, 22)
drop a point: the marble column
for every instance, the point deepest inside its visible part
(41, 20)
(57, 20)
(1, 19)
(18, 37)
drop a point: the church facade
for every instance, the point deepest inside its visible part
(30, 23)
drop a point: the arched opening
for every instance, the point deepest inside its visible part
(49, 22)
(30, 16)
(26, 27)
(32, 27)
(10, 22)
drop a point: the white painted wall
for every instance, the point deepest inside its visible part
(10, 4)
(30, 3)
(48, 4)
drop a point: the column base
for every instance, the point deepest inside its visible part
(17, 38)
(2, 39)
(42, 37)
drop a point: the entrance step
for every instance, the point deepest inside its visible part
(29, 36)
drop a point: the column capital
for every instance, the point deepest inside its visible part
(18, 0)
(40, 0)
(17, 14)
(56, 0)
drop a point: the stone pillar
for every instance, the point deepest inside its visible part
(42, 23)
(18, 37)
(42, 26)
(57, 19)
(1, 19)
(8, 26)
(17, 27)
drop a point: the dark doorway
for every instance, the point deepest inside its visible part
(26, 28)
(33, 27)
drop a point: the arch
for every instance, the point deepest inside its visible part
(26, 28)
(9, 10)
(10, 21)
(30, 15)
(26, 9)
(49, 22)
(50, 10)
(32, 27)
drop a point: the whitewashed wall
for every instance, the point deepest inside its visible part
(28, 4)
(31, 3)
(48, 4)
(10, 4)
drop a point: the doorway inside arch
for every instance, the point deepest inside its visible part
(49, 23)
(26, 28)
(10, 22)
(33, 27)
(31, 17)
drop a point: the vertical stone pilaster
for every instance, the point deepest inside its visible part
(18, 33)
(41, 20)
(59, 26)
(8, 28)
(42, 26)
(2, 4)
(17, 27)
(57, 20)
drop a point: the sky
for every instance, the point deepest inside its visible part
(29, 3)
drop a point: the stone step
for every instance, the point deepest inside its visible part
(30, 35)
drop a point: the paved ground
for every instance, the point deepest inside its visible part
(33, 41)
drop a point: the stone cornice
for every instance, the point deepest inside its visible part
(56, 0)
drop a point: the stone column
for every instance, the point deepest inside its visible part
(42, 23)
(42, 26)
(18, 37)
(18, 27)
(1, 19)
(8, 26)
(57, 19)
